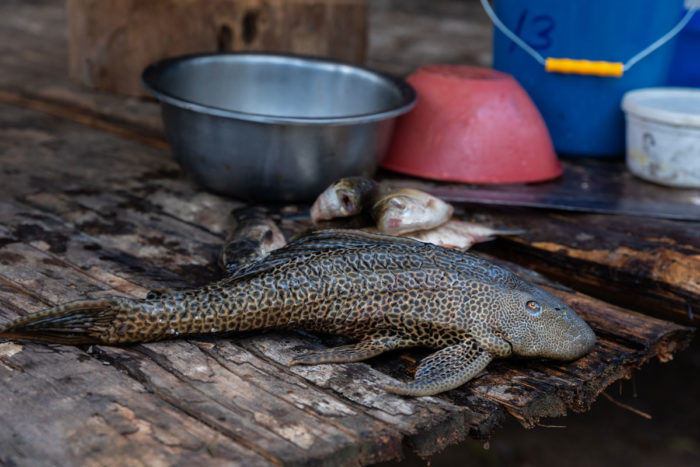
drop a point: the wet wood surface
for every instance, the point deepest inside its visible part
(92, 204)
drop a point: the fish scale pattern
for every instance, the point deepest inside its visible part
(387, 292)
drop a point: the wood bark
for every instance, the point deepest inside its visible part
(112, 41)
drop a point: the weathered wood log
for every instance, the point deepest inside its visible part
(112, 41)
(106, 417)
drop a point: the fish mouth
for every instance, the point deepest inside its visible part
(503, 336)
(510, 345)
(569, 343)
(581, 344)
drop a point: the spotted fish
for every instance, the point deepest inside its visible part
(385, 292)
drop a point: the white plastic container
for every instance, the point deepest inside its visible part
(663, 135)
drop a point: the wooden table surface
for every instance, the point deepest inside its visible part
(92, 204)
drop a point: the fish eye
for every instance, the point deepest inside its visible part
(346, 200)
(533, 307)
(398, 204)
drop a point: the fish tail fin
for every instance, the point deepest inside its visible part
(78, 322)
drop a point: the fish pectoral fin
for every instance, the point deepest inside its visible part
(446, 369)
(369, 347)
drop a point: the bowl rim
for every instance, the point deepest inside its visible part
(151, 74)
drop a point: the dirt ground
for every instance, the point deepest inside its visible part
(607, 435)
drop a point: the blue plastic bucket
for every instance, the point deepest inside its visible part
(685, 66)
(583, 113)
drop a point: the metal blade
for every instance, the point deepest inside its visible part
(663, 210)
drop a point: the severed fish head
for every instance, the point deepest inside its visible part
(409, 210)
(256, 235)
(345, 197)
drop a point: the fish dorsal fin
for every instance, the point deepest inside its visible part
(348, 239)
(322, 240)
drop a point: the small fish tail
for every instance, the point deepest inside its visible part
(78, 322)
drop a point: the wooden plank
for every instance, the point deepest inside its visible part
(275, 429)
(360, 389)
(62, 403)
(112, 41)
(74, 245)
(30, 276)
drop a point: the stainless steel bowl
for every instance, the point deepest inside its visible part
(272, 127)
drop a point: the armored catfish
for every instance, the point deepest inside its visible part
(385, 292)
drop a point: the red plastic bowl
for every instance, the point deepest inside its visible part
(472, 125)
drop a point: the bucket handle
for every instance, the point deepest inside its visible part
(588, 67)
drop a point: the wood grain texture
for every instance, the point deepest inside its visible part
(99, 215)
(112, 41)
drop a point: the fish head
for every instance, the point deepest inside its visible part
(537, 324)
(392, 214)
(345, 197)
(408, 210)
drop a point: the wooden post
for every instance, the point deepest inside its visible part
(111, 41)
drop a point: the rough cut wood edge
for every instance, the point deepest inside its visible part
(111, 42)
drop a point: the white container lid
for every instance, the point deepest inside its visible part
(673, 106)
